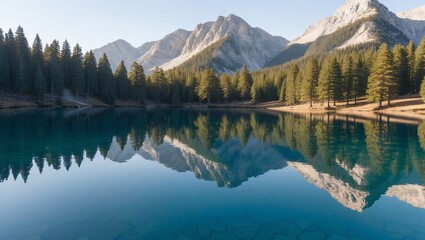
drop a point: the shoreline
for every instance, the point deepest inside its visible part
(405, 109)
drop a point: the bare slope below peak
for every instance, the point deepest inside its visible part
(251, 46)
(164, 50)
(118, 51)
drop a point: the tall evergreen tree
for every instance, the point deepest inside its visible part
(4, 67)
(422, 92)
(401, 63)
(54, 74)
(158, 84)
(347, 77)
(12, 57)
(410, 49)
(382, 81)
(326, 85)
(138, 82)
(107, 85)
(23, 53)
(245, 83)
(419, 65)
(310, 81)
(40, 85)
(360, 76)
(67, 64)
(209, 87)
(38, 81)
(90, 74)
(291, 84)
(226, 86)
(122, 82)
(190, 86)
(78, 84)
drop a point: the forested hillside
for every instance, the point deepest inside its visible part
(345, 75)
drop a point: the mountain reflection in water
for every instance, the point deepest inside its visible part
(355, 161)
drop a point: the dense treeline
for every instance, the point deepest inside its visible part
(38, 71)
(344, 75)
(377, 72)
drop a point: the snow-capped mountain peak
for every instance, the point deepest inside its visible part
(415, 14)
(350, 12)
(259, 45)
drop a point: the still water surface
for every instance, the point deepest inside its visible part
(179, 174)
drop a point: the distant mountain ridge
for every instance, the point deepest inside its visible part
(253, 47)
(357, 22)
(230, 42)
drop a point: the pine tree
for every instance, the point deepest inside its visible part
(66, 64)
(209, 87)
(107, 85)
(410, 49)
(310, 81)
(325, 89)
(23, 53)
(90, 74)
(235, 83)
(54, 74)
(419, 65)
(336, 79)
(158, 84)
(122, 82)
(347, 77)
(77, 71)
(226, 86)
(423, 90)
(382, 81)
(190, 86)
(4, 67)
(360, 76)
(245, 83)
(38, 80)
(138, 82)
(12, 56)
(401, 62)
(291, 84)
(40, 85)
(282, 90)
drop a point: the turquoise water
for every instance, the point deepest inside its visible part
(180, 174)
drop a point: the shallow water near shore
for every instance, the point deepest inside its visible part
(208, 174)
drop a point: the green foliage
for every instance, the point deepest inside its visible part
(382, 83)
(245, 83)
(122, 82)
(90, 74)
(226, 86)
(401, 62)
(209, 87)
(107, 84)
(138, 82)
(310, 81)
(77, 71)
(422, 92)
(291, 95)
(158, 85)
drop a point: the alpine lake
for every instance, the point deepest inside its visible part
(209, 174)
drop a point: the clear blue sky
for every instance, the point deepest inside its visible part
(93, 23)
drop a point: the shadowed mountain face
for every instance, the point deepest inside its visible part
(355, 161)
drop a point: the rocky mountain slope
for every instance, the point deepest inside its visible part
(252, 46)
(357, 22)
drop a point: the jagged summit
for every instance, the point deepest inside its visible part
(414, 14)
(251, 46)
(352, 11)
